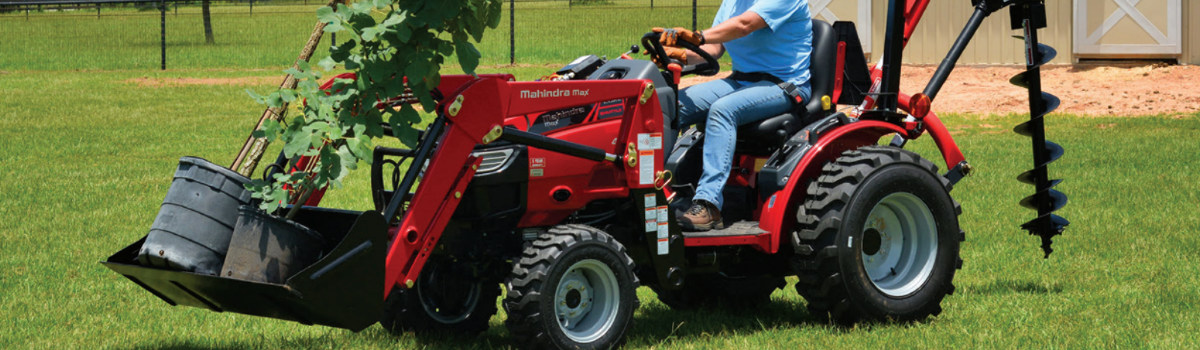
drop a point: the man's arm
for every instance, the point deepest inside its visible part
(733, 28)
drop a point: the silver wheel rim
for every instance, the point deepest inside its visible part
(586, 301)
(899, 244)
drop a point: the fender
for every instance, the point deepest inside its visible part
(941, 136)
(781, 206)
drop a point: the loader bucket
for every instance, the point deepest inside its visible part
(343, 289)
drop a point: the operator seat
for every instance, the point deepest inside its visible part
(765, 136)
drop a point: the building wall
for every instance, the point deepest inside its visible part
(1191, 32)
(993, 43)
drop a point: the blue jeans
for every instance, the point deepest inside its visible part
(722, 105)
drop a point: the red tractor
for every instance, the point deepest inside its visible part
(565, 194)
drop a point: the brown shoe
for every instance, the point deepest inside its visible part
(702, 216)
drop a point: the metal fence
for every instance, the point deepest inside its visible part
(129, 34)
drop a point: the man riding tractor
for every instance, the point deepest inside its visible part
(769, 42)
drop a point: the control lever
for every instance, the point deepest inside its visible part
(633, 50)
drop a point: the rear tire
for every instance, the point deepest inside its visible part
(445, 298)
(877, 238)
(573, 288)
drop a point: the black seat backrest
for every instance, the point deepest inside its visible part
(821, 64)
(763, 137)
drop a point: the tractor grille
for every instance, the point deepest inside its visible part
(492, 160)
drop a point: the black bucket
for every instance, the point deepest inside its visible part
(194, 225)
(343, 289)
(269, 249)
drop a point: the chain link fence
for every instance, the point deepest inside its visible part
(269, 34)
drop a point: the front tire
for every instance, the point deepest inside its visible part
(573, 288)
(878, 238)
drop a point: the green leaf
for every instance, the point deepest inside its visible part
(370, 33)
(287, 95)
(260, 99)
(361, 147)
(495, 10)
(326, 14)
(407, 135)
(403, 33)
(416, 70)
(349, 160)
(334, 27)
(301, 142)
(409, 115)
(327, 63)
(393, 19)
(270, 130)
(468, 56)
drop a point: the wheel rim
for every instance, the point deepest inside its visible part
(438, 292)
(899, 244)
(586, 301)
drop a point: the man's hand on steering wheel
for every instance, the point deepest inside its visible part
(671, 36)
(682, 41)
(673, 53)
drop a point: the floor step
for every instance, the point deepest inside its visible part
(740, 228)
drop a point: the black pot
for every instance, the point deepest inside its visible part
(194, 224)
(269, 249)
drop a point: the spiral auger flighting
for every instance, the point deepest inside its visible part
(1031, 16)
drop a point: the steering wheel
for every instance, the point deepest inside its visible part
(710, 66)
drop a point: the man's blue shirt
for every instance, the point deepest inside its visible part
(781, 48)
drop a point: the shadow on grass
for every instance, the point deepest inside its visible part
(1009, 286)
(658, 322)
(374, 337)
(654, 325)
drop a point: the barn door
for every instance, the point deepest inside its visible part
(1128, 28)
(857, 11)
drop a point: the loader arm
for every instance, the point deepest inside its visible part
(474, 114)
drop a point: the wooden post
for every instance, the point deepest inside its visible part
(252, 151)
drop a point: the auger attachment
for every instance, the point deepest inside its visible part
(1031, 16)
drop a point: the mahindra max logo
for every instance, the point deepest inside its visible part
(553, 93)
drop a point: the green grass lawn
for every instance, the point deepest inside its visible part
(85, 170)
(87, 153)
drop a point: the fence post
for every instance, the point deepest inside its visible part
(693, 15)
(251, 7)
(512, 32)
(162, 18)
(97, 11)
(651, 4)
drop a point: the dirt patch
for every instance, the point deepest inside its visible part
(246, 81)
(1090, 90)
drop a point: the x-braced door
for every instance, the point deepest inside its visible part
(1128, 28)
